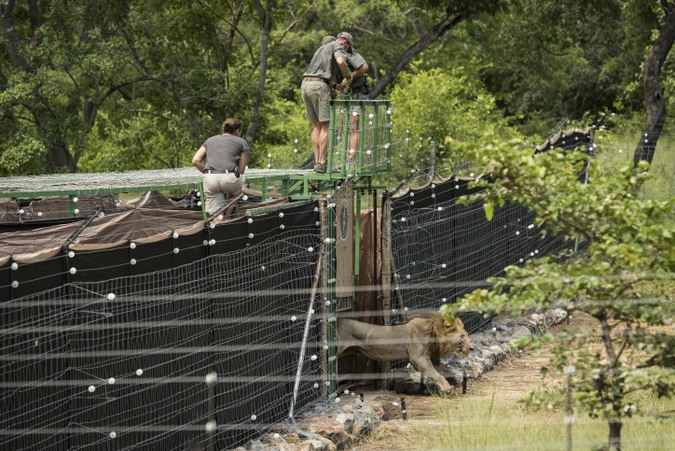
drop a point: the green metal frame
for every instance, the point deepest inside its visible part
(374, 126)
(331, 300)
(296, 184)
(379, 126)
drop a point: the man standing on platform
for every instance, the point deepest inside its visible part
(223, 159)
(316, 84)
(356, 90)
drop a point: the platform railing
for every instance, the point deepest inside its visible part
(359, 141)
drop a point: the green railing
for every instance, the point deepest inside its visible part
(359, 141)
(360, 152)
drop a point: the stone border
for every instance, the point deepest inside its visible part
(337, 423)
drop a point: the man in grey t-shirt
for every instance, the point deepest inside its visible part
(316, 83)
(223, 159)
(357, 90)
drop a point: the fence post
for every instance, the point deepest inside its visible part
(432, 158)
(386, 259)
(331, 137)
(569, 410)
(328, 228)
(305, 334)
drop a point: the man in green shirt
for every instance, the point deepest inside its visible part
(316, 85)
(356, 90)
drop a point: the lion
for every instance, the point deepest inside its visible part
(422, 341)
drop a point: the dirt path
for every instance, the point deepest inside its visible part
(510, 379)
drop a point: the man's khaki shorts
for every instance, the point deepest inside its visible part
(316, 95)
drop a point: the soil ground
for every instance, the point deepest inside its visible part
(512, 378)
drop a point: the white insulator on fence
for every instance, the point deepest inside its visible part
(211, 377)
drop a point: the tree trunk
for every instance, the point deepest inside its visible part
(266, 18)
(614, 434)
(11, 38)
(450, 20)
(655, 106)
(59, 158)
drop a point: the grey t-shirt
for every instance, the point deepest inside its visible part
(223, 152)
(320, 66)
(355, 60)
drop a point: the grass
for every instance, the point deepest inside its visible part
(616, 149)
(491, 417)
(487, 422)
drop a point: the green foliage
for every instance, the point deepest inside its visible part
(545, 60)
(149, 78)
(461, 6)
(95, 67)
(628, 241)
(291, 132)
(614, 146)
(451, 108)
(639, 20)
(21, 154)
(147, 141)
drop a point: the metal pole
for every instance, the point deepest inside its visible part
(386, 319)
(569, 418)
(305, 334)
(362, 127)
(432, 157)
(330, 299)
(331, 136)
(357, 239)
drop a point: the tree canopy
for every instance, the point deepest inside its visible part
(93, 85)
(626, 242)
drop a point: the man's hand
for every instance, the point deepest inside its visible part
(341, 89)
(346, 82)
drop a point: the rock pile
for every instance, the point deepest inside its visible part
(329, 425)
(337, 423)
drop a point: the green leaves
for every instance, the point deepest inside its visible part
(450, 107)
(489, 210)
(24, 155)
(628, 242)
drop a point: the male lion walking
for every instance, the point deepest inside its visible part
(423, 341)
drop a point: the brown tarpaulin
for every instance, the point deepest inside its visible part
(369, 306)
(29, 246)
(129, 223)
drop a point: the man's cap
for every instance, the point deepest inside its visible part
(347, 36)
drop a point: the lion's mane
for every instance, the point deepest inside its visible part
(440, 334)
(423, 341)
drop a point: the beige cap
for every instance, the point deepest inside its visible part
(347, 36)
